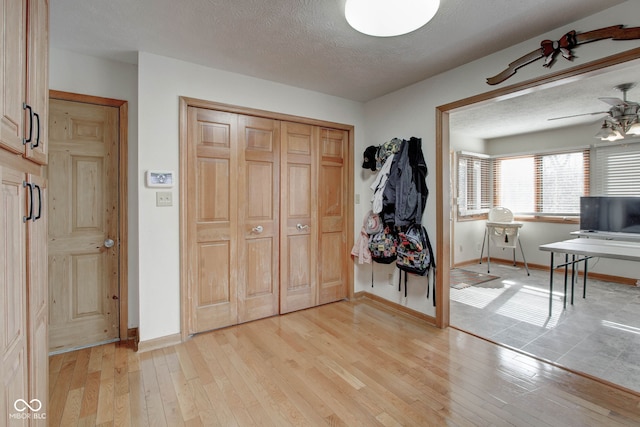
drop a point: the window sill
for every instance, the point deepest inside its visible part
(525, 218)
(549, 219)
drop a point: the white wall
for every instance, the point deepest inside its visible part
(161, 81)
(411, 111)
(71, 72)
(569, 137)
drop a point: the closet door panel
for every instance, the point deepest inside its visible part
(214, 279)
(332, 196)
(37, 93)
(212, 158)
(13, 286)
(213, 192)
(38, 298)
(299, 233)
(12, 74)
(258, 214)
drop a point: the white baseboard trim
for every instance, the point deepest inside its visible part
(158, 343)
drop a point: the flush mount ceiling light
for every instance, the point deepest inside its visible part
(387, 18)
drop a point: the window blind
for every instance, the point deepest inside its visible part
(542, 184)
(474, 184)
(616, 170)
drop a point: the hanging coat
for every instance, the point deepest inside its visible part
(405, 194)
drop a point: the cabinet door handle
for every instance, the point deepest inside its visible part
(37, 144)
(30, 186)
(39, 202)
(26, 106)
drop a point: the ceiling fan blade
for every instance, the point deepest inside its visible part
(612, 101)
(578, 115)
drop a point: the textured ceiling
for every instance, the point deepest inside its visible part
(531, 112)
(305, 43)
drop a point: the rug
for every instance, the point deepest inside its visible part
(460, 279)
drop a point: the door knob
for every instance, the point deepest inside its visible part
(108, 243)
(257, 229)
(302, 227)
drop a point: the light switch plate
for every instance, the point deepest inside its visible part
(164, 198)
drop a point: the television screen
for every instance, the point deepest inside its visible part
(612, 214)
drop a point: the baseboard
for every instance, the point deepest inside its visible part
(503, 262)
(395, 307)
(597, 276)
(158, 343)
(132, 340)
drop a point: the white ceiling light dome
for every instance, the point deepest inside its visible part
(387, 18)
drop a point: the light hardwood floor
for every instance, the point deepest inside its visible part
(341, 364)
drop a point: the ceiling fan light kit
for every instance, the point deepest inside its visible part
(623, 116)
(607, 133)
(634, 129)
(388, 18)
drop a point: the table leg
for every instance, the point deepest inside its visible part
(584, 285)
(574, 273)
(566, 266)
(484, 237)
(551, 285)
(488, 254)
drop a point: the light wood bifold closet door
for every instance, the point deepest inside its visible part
(332, 195)
(299, 231)
(263, 234)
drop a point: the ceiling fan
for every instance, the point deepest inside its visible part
(622, 117)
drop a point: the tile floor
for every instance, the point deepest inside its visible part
(599, 335)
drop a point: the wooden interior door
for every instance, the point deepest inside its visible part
(212, 219)
(332, 194)
(83, 208)
(299, 206)
(13, 293)
(258, 215)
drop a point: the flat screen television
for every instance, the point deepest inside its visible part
(610, 214)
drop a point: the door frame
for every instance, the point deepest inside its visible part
(123, 130)
(185, 103)
(443, 169)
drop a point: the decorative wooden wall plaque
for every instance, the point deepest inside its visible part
(550, 49)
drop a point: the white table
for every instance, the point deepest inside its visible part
(586, 248)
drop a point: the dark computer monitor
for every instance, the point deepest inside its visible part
(610, 214)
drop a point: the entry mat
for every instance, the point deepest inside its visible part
(460, 279)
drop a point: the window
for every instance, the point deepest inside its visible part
(474, 184)
(515, 184)
(616, 170)
(542, 184)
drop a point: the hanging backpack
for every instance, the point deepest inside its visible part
(383, 246)
(414, 253)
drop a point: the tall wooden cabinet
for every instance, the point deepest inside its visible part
(264, 215)
(23, 225)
